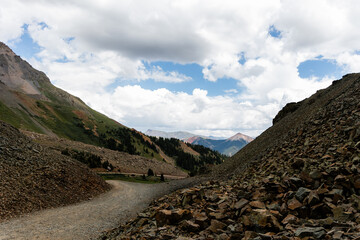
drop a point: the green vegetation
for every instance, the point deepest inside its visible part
(91, 160)
(138, 179)
(17, 118)
(150, 172)
(127, 140)
(91, 127)
(57, 111)
(194, 164)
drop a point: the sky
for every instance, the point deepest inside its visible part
(213, 68)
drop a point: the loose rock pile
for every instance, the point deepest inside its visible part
(33, 177)
(307, 187)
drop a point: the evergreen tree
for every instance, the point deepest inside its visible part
(150, 172)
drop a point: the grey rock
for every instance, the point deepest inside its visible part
(316, 232)
(302, 193)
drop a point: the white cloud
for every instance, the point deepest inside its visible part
(231, 91)
(196, 112)
(88, 45)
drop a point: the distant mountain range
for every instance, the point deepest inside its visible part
(181, 135)
(227, 147)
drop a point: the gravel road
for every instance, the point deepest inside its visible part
(86, 220)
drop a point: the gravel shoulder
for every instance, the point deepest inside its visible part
(87, 220)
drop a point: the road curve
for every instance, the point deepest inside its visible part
(86, 220)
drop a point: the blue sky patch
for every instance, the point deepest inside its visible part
(274, 32)
(242, 59)
(26, 47)
(191, 70)
(319, 68)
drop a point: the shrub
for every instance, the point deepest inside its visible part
(150, 172)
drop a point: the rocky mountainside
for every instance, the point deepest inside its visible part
(30, 102)
(123, 162)
(227, 147)
(300, 179)
(33, 177)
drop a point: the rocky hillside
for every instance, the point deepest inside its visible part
(299, 180)
(123, 162)
(35, 178)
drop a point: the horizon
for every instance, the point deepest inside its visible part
(214, 69)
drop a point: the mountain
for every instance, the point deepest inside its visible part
(227, 147)
(181, 135)
(30, 102)
(300, 179)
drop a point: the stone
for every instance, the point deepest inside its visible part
(184, 238)
(298, 164)
(313, 198)
(217, 215)
(319, 211)
(338, 235)
(216, 226)
(289, 219)
(263, 218)
(340, 215)
(190, 226)
(357, 183)
(201, 219)
(315, 232)
(274, 206)
(257, 204)
(164, 216)
(296, 181)
(241, 203)
(142, 222)
(302, 193)
(250, 235)
(294, 204)
(315, 174)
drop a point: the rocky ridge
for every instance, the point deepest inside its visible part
(306, 185)
(33, 177)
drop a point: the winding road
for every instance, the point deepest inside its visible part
(86, 220)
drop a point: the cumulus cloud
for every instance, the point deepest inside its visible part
(89, 45)
(196, 112)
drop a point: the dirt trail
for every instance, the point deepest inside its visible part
(86, 220)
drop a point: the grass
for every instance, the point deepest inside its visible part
(127, 178)
(18, 118)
